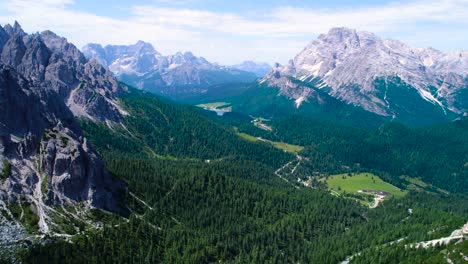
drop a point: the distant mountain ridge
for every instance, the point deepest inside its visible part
(259, 68)
(386, 77)
(174, 75)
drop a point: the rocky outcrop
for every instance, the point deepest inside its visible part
(45, 83)
(48, 60)
(75, 173)
(50, 162)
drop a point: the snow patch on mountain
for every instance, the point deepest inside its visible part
(299, 101)
(350, 62)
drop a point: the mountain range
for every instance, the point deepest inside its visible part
(383, 76)
(176, 76)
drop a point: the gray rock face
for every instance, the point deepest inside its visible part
(13, 51)
(3, 38)
(51, 163)
(143, 67)
(21, 110)
(75, 172)
(48, 60)
(45, 83)
(347, 64)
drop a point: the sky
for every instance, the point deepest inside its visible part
(231, 31)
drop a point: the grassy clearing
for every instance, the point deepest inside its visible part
(279, 145)
(363, 181)
(214, 105)
(417, 184)
(6, 170)
(415, 181)
(287, 147)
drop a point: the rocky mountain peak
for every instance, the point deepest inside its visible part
(48, 60)
(59, 44)
(189, 55)
(348, 63)
(95, 50)
(13, 50)
(15, 29)
(138, 58)
(143, 47)
(340, 35)
(347, 38)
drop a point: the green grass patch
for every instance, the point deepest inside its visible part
(416, 181)
(6, 171)
(25, 213)
(214, 105)
(248, 137)
(279, 145)
(287, 147)
(417, 184)
(362, 181)
(44, 184)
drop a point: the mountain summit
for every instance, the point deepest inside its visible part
(383, 76)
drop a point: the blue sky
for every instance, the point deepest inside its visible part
(115, 8)
(229, 32)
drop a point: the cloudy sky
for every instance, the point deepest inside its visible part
(229, 32)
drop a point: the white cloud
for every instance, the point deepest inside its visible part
(287, 21)
(173, 2)
(276, 34)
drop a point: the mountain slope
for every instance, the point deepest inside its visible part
(283, 96)
(379, 75)
(45, 83)
(165, 129)
(177, 76)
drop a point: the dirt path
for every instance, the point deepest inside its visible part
(456, 234)
(278, 171)
(377, 200)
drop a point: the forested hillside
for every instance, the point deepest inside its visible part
(437, 154)
(200, 193)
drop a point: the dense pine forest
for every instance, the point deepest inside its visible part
(436, 154)
(199, 193)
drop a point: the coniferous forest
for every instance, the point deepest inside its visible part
(211, 196)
